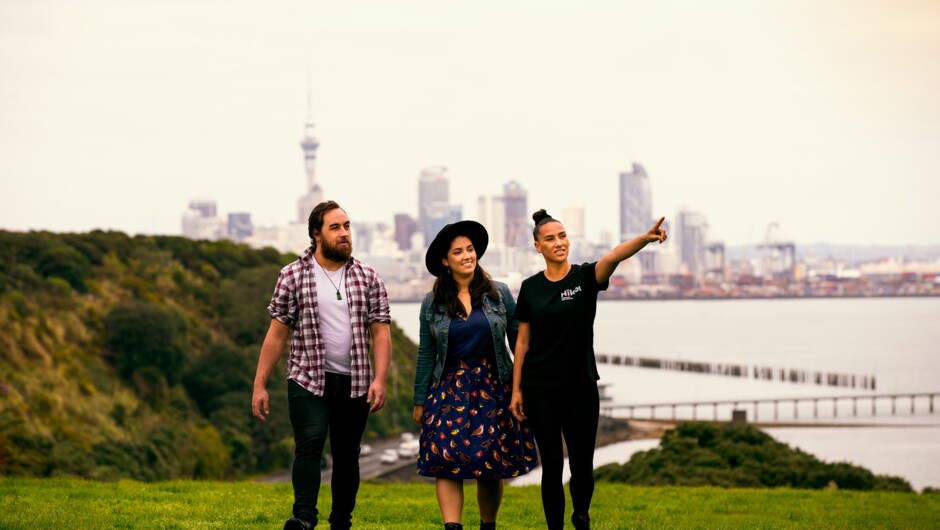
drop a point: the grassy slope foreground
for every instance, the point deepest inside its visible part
(54, 503)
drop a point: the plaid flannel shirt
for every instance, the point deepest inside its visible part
(295, 304)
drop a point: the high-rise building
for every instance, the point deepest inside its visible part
(205, 207)
(239, 226)
(201, 222)
(433, 200)
(492, 215)
(440, 216)
(691, 233)
(636, 205)
(518, 220)
(313, 195)
(573, 219)
(636, 212)
(405, 228)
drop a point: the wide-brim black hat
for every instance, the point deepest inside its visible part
(441, 244)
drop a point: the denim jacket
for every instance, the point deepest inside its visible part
(432, 344)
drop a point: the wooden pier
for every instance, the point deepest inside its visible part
(873, 400)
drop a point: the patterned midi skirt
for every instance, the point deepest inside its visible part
(467, 430)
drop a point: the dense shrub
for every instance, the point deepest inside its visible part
(700, 454)
(143, 335)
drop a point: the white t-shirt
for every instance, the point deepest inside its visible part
(335, 325)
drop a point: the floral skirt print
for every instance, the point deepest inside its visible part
(467, 430)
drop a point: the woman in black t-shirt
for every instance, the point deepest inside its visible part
(554, 370)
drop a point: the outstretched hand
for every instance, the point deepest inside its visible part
(656, 233)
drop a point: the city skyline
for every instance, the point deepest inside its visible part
(826, 125)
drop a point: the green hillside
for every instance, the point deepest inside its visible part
(133, 357)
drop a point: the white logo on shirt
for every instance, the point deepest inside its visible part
(568, 294)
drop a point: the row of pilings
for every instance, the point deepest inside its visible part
(786, 375)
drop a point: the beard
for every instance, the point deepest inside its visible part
(336, 253)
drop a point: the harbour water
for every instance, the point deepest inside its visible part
(896, 340)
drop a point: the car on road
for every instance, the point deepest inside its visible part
(389, 456)
(409, 449)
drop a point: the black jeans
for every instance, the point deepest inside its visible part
(572, 412)
(313, 418)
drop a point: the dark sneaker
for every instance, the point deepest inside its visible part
(297, 524)
(581, 522)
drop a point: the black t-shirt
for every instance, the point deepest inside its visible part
(561, 327)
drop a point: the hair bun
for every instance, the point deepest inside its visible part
(540, 215)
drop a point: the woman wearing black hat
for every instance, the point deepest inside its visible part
(462, 378)
(554, 368)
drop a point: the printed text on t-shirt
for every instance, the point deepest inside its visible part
(568, 294)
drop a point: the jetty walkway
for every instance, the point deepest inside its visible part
(878, 404)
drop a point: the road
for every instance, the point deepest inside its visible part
(369, 466)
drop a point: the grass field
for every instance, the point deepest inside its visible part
(54, 503)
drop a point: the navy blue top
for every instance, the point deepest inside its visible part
(469, 338)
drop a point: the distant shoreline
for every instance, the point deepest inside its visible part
(605, 298)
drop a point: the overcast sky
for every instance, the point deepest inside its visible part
(820, 115)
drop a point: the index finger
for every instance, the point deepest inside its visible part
(661, 219)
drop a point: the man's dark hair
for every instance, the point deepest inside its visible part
(315, 222)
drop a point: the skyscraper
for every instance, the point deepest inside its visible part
(492, 215)
(313, 195)
(636, 212)
(200, 221)
(573, 218)
(405, 227)
(433, 200)
(205, 207)
(636, 204)
(691, 232)
(239, 226)
(516, 202)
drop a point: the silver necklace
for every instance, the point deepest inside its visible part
(341, 276)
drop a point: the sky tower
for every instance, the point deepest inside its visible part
(313, 195)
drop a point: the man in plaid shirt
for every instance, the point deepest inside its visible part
(329, 303)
